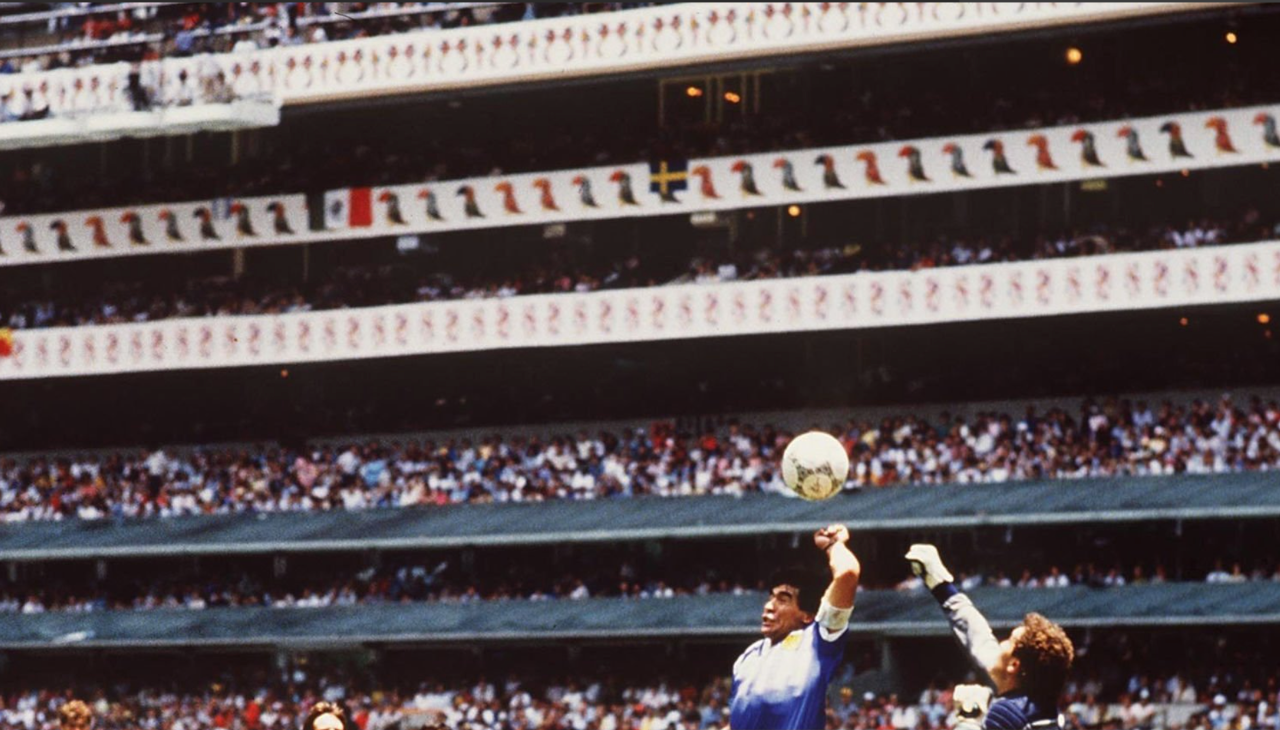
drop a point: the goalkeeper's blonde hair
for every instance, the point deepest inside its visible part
(1044, 653)
(325, 708)
(75, 715)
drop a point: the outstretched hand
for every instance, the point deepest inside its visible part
(926, 563)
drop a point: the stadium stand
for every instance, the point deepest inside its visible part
(882, 614)
(1116, 689)
(79, 34)
(1105, 439)
(412, 281)
(423, 583)
(920, 95)
(1060, 371)
(677, 704)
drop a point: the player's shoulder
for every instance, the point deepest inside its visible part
(756, 647)
(1007, 713)
(1016, 712)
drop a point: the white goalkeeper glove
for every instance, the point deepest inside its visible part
(926, 563)
(971, 702)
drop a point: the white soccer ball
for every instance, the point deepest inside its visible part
(815, 465)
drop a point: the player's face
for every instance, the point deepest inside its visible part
(782, 613)
(1006, 670)
(327, 721)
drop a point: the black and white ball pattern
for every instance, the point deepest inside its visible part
(815, 465)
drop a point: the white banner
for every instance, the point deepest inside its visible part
(152, 229)
(1214, 275)
(666, 36)
(1172, 143)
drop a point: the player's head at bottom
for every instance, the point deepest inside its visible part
(1034, 660)
(326, 716)
(75, 715)
(794, 596)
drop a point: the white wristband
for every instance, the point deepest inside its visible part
(833, 619)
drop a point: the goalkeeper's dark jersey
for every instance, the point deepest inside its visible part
(1019, 712)
(1011, 711)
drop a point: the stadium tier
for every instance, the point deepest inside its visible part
(461, 387)
(964, 445)
(881, 614)
(685, 703)
(675, 35)
(477, 266)
(593, 279)
(790, 105)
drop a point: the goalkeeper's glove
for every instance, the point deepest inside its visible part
(971, 702)
(926, 563)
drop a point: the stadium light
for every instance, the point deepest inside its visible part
(731, 97)
(1074, 55)
(693, 92)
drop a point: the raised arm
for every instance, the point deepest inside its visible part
(845, 568)
(967, 623)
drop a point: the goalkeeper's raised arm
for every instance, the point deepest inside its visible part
(1028, 669)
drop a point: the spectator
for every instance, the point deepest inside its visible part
(665, 462)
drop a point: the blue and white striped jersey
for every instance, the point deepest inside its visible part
(783, 686)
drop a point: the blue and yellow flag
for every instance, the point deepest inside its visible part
(666, 177)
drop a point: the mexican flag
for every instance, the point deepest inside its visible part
(348, 208)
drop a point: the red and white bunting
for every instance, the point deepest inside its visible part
(1213, 275)
(1164, 144)
(665, 36)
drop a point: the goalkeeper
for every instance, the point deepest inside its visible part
(1028, 669)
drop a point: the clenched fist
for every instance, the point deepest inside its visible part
(830, 535)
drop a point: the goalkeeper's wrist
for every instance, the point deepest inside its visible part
(942, 590)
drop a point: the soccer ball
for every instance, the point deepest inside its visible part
(815, 465)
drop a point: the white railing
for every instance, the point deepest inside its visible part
(660, 37)
(97, 103)
(105, 89)
(1187, 277)
(1165, 144)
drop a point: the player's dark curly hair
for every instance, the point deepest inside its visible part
(812, 584)
(325, 708)
(1044, 653)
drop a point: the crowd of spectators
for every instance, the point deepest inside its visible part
(370, 285)
(421, 583)
(151, 31)
(1089, 574)
(1104, 438)
(405, 584)
(146, 31)
(1210, 698)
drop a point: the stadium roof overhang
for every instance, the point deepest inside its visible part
(879, 614)
(1115, 500)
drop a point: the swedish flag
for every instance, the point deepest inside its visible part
(668, 176)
